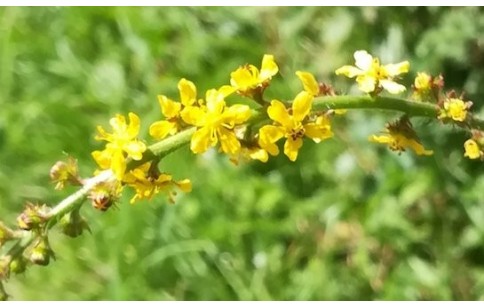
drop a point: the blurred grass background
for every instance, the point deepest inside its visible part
(348, 221)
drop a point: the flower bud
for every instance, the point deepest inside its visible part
(18, 265)
(104, 195)
(41, 252)
(63, 173)
(73, 224)
(33, 216)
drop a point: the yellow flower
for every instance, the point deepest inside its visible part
(122, 144)
(216, 122)
(423, 82)
(456, 109)
(399, 136)
(248, 77)
(171, 110)
(292, 126)
(472, 149)
(148, 183)
(371, 76)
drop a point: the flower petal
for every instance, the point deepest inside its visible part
(291, 148)
(366, 83)
(134, 124)
(188, 92)
(277, 112)
(268, 69)
(309, 82)
(318, 131)
(169, 108)
(160, 129)
(302, 105)
(228, 142)
(237, 114)
(268, 136)
(193, 116)
(134, 149)
(392, 86)
(349, 71)
(397, 69)
(363, 60)
(201, 140)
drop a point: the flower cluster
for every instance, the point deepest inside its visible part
(217, 120)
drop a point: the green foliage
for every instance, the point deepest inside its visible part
(348, 220)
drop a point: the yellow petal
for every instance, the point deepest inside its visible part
(392, 86)
(302, 105)
(228, 142)
(102, 158)
(309, 82)
(422, 82)
(277, 112)
(349, 71)
(381, 139)
(169, 108)
(237, 114)
(215, 101)
(134, 124)
(291, 148)
(472, 149)
(201, 140)
(160, 129)
(363, 60)
(397, 69)
(193, 116)
(259, 154)
(318, 132)
(244, 77)
(268, 136)
(418, 148)
(269, 68)
(366, 83)
(188, 92)
(184, 185)
(118, 123)
(118, 164)
(135, 149)
(226, 90)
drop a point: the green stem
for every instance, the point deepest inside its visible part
(164, 147)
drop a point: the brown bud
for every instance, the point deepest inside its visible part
(33, 216)
(41, 252)
(73, 224)
(104, 195)
(63, 173)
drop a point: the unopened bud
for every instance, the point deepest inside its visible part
(73, 224)
(63, 173)
(41, 252)
(18, 265)
(33, 216)
(104, 195)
